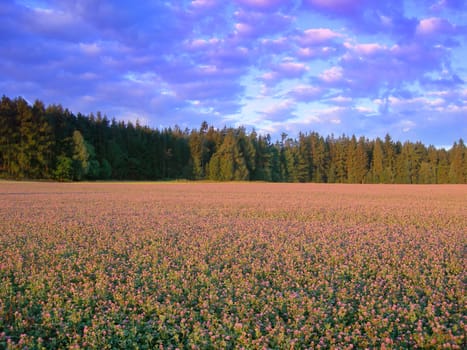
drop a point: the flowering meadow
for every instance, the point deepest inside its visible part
(232, 265)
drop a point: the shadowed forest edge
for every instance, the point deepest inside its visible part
(38, 142)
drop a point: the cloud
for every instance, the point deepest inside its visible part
(325, 52)
(318, 43)
(366, 16)
(91, 49)
(279, 110)
(196, 44)
(447, 81)
(434, 26)
(340, 7)
(251, 24)
(373, 69)
(204, 4)
(317, 36)
(369, 49)
(305, 93)
(458, 5)
(55, 24)
(291, 69)
(334, 65)
(286, 69)
(340, 100)
(262, 5)
(332, 75)
(280, 44)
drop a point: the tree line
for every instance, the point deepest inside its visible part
(38, 142)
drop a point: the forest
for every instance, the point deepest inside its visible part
(52, 143)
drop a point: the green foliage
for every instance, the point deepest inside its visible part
(64, 169)
(34, 139)
(105, 171)
(81, 156)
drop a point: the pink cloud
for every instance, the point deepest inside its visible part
(336, 6)
(202, 44)
(280, 110)
(366, 49)
(332, 75)
(284, 70)
(244, 29)
(418, 55)
(305, 92)
(292, 68)
(319, 52)
(341, 100)
(369, 49)
(264, 5)
(279, 44)
(90, 49)
(449, 4)
(253, 24)
(318, 36)
(203, 3)
(434, 25)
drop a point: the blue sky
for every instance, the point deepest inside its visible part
(362, 67)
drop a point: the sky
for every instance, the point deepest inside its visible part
(363, 67)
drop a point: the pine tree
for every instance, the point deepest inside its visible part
(361, 161)
(43, 142)
(351, 160)
(197, 150)
(228, 163)
(389, 160)
(457, 161)
(84, 162)
(263, 157)
(304, 160)
(377, 162)
(339, 164)
(27, 144)
(404, 165)
(245, 155)
(9, 138)
(290, 161)
(319, 158)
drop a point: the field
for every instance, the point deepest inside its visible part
(232, 265)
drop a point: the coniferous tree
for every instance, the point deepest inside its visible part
(197, 152)
(29, 144)
(290, 161)
(43, 156)
(425, 175)
(64, 169)
(338, 159)
(443, 167)
(247, 152)
(432, 159)
(457, 163)
(276, 163)
(9, 138)
(228, 163)
(319, 158)
(84, 162)
(351, 160)
(51, 142)
(377, 166)
(389, 151)
(304, 164)
(361, 161)
(263, 157)
(404, 165)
